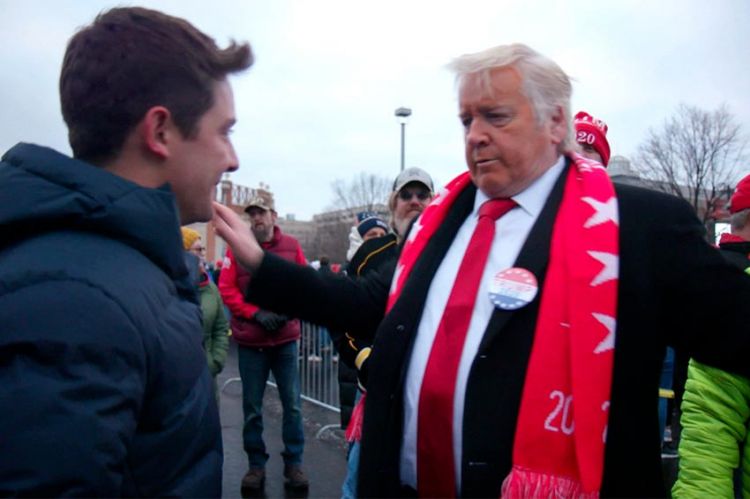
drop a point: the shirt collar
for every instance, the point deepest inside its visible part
(532, 199)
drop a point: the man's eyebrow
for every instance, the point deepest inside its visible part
(496, 107)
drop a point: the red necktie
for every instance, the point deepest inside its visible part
(435, 466)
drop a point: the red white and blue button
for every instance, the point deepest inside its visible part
(513, 288)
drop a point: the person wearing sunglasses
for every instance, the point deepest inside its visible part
(412, 192)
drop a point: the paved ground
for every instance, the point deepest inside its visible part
(325, 455)
(324, 458)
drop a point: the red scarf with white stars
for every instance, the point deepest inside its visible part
(562, 422)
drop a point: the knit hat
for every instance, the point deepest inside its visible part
(189, 236)
(593, 132)
(369, 220)
(741, 197)
(413, 175)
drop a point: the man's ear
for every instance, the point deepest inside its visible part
(158, 129)
(558, 125)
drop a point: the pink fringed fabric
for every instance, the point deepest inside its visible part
(523, 483)
(354, 428)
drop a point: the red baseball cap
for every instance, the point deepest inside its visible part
(593, 132)
(741, 198)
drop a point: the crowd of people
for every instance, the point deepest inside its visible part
(505, 334)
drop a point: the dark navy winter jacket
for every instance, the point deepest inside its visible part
(104, 386)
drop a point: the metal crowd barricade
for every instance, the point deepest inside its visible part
(318, 368)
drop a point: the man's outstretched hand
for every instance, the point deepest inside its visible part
(230, 227)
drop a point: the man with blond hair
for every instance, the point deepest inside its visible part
(527, 315)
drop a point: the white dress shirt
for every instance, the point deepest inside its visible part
(510, 233)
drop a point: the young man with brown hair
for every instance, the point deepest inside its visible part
(105, 386)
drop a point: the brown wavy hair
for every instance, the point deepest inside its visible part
(129, 60)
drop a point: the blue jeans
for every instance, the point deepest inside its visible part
(349, 487)
(255, 365)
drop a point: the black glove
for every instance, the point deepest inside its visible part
(270, 321)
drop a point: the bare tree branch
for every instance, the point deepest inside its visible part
(332, 241)
(694, 156)
(362, 192)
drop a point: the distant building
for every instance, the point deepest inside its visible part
(621, 172)
(302, 231)
(348, 214)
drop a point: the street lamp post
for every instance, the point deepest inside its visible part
(403, 114)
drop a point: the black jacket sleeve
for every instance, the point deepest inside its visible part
(333, 301)
(711, 300)
(702, 298)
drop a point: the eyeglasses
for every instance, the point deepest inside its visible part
(198, 249)
(407, 194)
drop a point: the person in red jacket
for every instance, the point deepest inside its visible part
(267, 342)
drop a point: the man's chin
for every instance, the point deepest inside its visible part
(260, 235)
(494, 187)
(196, 216)
(401, 224)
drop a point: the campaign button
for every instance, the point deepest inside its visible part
(513, 288)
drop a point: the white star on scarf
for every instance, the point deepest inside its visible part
(588, 165)
(605, 212)
(608, 343)
(611, 264)
(439, 197)
(396, 275)
(414, 230)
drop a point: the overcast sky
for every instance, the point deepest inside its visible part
(318, 103)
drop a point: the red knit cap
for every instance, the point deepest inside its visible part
(741, 197)
(593, 132)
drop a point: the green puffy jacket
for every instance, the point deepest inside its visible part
(215, 327)
(715, 413)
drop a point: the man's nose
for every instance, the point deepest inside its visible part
(234, 163)
(476, 134)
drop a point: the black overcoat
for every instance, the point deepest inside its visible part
(674, 289)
